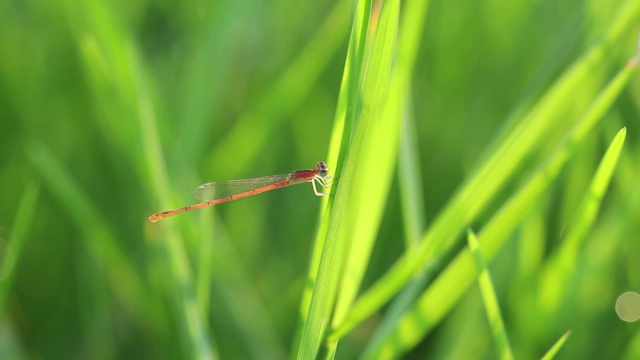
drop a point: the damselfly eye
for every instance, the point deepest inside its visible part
(321, 165)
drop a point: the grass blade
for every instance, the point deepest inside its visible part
(490, 299)
(563, 264)
(556, 347)
(351, 199)
(341, 134)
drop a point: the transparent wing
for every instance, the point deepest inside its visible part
(216, 190)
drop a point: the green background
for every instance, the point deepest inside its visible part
(113, 110)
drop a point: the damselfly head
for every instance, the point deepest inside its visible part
(322, 168)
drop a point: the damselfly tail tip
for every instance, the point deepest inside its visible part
(154, 218)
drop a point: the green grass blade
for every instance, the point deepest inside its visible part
(449, 286)
(410, 180)
(376, 158)
(354, 193)
(476, 194)
(19, 232)
(341, 134)
(385, 136)
(556, 347)
(412, 22)
(413, 216)
(490, 299)
(562, 265)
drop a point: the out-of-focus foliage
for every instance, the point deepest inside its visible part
(113, 110)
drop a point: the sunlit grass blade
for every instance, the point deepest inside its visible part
(356, 193)
(340, 137)
(449, 286)
(381, 156)
(477, 193)
(382, 92)
(411, 27)
(563, 264)
(556, 347)
(414, 224)
(491, 305)
(12, 253)
(410, 179)
(396, 109)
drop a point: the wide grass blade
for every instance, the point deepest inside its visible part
(357, 195)
(343, 126)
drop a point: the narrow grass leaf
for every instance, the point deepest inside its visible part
(556, 347)
(490, 299)
(563, 264)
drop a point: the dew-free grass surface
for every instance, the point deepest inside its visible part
(517, 120)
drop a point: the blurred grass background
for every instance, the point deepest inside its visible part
(110, 111)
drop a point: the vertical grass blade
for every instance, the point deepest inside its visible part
(356, 192)
(340, 137)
